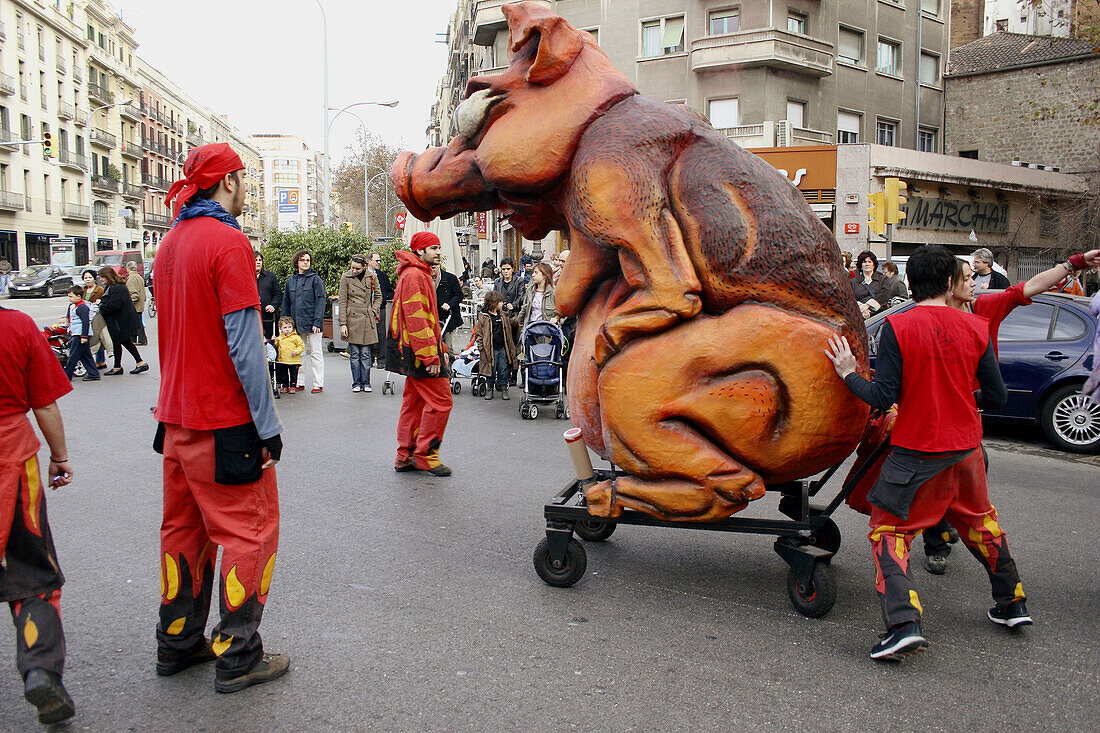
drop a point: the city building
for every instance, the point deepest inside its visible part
(289, 187)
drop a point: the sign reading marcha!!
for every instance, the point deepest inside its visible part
(952, 215)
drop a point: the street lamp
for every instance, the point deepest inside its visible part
(366, 196)
(88, 174)
(324, 102)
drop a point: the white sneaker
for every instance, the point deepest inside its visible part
(355, 388)
(367, 389)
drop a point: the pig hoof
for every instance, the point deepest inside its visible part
(601, 501)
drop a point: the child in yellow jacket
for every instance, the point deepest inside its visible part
(289, 348)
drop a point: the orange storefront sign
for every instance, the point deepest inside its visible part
(809, 168)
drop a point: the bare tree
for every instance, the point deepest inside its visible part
(347, 183)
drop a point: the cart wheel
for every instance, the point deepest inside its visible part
(523, 411)
(533, 411)
(331, 347)
(816, 599)
(571, 569)
(827, 537)
(594, 530)
(79, 371)
(456, 387)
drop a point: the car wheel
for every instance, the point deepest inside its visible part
(1071, 420)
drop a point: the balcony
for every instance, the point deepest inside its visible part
(62, 64)
(66, 111)
(103, 138)
(768, 47)
(157, 220)
(22, 41)
(23, 93)
(748, 136)
(7, 85)
(41, 53)
(194, 139)
(131, 150)
(148, 144)
(11, 201)
(67, 159)
(81, 118)
(488, 19)
(103, 183)
(101, 94)
(155, 181)
(44, 100)
(6, 136)
(131, 191)
(78, 75)
(75, 212)
(130, 112)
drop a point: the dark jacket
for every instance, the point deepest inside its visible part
(895, 288)
(304, 301)
(414, 342)
(123, 321)
(997, 281)
(877, 289)
(449, 291)
(512, 292)
(487, 269)
(387, 288)
(271, 293)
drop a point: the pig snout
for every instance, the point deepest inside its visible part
(440, 182)
(471, 114)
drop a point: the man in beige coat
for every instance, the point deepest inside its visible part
(360, 299)
(135, 283)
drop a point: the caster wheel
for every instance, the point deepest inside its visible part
(456, 388)
(79, 371)
(827, 537)
(594, 530)
(523, 410)
(568, 572)
(817, 598)
(533, 412)
(331, 347)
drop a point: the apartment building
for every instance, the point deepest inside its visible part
(289, 190)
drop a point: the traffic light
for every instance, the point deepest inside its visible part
(895, 187)
(47, 145)
(349, 227)
(876, 213)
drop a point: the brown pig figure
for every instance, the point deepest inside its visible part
(704, 286)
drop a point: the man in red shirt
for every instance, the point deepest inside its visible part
(929, 358)
(31, 378)
(415, 349)
(219, 432)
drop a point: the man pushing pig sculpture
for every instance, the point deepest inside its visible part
(705, 288)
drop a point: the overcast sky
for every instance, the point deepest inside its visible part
(259, 61)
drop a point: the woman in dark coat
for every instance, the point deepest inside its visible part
(304, 300)
(869, 285)
(271, 296)
(123, 322)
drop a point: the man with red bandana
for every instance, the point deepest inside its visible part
(415, 349)
(30, 578)
(219, 432)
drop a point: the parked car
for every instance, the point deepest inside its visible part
(902, 262)
(41, 280)
(1046, 355)
(117, 258)
(148, 272)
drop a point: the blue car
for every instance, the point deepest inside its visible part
(1045, 356)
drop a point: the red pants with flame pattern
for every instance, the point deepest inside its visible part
(201, 515)
(30, 578)
(425, 406)
(958, 493)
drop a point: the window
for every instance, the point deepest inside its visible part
(847, 127)
(926, 140)
(889, 56)
(929, 69)
(1068, 326)
(796, 23)
(724, 113)
(1031, 323)
(663, 37)
(887, 132)
(1048, 222)
(1002, 25)
(725, 21)
(930, 7)
(796, 113)
(850, 46)
(25, 126)
(972, 154)
(91, 32)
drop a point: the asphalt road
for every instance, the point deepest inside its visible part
(410, 603)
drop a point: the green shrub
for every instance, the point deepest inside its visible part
(331, 251)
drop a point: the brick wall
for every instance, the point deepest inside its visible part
(966, 21)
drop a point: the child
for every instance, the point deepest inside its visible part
(494, 340)
(290, 348)
(80, 329)
(272, 355)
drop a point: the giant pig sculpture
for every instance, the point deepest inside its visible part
(704, 286)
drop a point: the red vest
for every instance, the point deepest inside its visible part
(940, 351)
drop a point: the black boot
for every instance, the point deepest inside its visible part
(44, 690)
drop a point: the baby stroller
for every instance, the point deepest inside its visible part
(271, 355)
(57, 336)
(542, 345)
(465, 367)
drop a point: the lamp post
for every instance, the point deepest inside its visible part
(88, 174)
(366, 196)
(324, 103)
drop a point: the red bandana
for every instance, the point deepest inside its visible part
(422, 240)
(205, 166)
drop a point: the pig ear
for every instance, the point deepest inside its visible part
(559, 46)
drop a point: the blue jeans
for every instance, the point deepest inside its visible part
(502, 370)
(4, 279)
(361, 359)
(80, 353)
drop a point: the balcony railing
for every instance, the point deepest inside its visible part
(149, 144)
(768, 47)
(101, 93)
(132, 191)
(130, 222)
(75, 212)
(157, 220)
(22, 40)
(132, 151)
(130, 112)
(72, 160)
(62, 64)
(102, 218)
(66, 111)
(41, 53)
(78, 75)
(194, 139)
(104, 138)
(6, 136)
(488, 19)
(11, 201)
(44, 100)
(81, 118)
(7, 84)
(23, 93)
(155, 181)
(103, 183)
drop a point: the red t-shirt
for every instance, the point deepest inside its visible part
(31, 377)
(203, 270)
(995, 307)
(940, 350)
